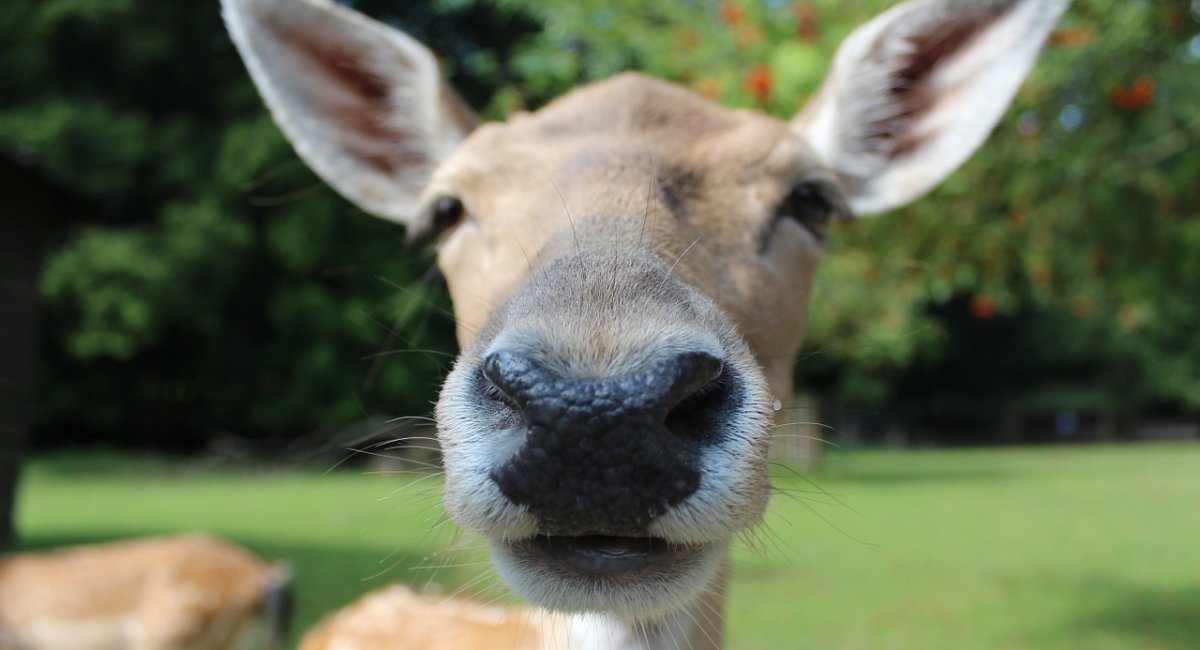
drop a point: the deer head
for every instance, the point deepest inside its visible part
(630, 266)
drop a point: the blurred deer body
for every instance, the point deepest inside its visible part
(396, 617)
(187, 592)
(630, 268)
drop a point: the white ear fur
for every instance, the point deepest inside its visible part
(915, 91)
(363, 104)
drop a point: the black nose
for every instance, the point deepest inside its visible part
(607, 455)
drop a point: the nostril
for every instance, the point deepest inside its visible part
(511, 376)
(493, 371)
(694, 373)
(702, 391)
(497, 370)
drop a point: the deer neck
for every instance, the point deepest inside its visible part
(698, 626)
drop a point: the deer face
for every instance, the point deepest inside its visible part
(607, 420)
(630, 266)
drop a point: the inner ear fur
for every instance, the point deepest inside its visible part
(362, 103)
(915, 91)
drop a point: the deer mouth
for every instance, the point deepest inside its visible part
(633, 578)
(602, 555)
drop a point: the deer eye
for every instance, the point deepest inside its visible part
(811, 204)
(447, 212)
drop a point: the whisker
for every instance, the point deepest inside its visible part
(681, 255)
(401, 418)
(260, 200)
(566, 210)
(392, 353)
(813, 483)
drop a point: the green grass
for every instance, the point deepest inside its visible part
(1067, 548)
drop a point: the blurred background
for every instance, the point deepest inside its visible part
(196, 333)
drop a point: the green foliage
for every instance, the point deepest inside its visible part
(212, 282)
(1081, 215)
(215, 283)
(125, 286)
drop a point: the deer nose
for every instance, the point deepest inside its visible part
(606, 455)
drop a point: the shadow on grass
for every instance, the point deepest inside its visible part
(1151, 617)
(326, 577)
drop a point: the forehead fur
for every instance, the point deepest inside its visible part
(634, 120)
(635, 105)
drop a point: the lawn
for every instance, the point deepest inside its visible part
(1060, 547)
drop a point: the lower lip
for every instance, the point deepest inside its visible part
(602, 554)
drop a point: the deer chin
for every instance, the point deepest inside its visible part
(630, 578)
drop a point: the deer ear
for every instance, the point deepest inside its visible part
(915, 91)
(363, 104)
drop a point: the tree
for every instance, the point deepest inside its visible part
(217, 284)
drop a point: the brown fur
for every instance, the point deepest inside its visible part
(397, 618)
(186, 592)
(637, 163)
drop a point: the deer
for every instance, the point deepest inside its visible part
(630, 268)
(176, 592)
